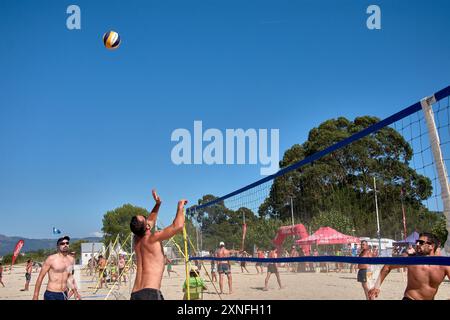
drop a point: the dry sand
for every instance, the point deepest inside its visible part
(297, 286)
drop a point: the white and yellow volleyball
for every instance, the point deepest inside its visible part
(111, 40)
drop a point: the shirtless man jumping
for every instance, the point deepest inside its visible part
(59, 268)
(423, 280)
(149, 251)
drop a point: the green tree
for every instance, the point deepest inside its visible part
(440, 230)
(333, 219)
(117, 222)
(262, 232)
(7, 258)
(39, 256)
(219, 223)
(214, 214)
(342, 181)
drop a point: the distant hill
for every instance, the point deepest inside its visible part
(7, 244)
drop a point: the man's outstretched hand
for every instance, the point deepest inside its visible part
(182, 203)
(156, 197)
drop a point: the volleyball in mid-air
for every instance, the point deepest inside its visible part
(111, 40)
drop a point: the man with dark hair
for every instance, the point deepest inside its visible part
(423, 280)
(149, 251)
(59, 267)
(138, 227)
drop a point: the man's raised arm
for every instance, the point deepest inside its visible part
(154, 214)
(176, 226)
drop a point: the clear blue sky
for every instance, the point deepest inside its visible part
(84, 130)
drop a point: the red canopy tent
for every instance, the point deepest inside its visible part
(327, 235)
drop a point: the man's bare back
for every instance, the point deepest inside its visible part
(150, 263)
(149, 251)
(223, 253)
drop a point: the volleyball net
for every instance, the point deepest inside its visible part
(381, 181)
(352, 180)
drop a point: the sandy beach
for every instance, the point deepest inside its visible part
(246, 286)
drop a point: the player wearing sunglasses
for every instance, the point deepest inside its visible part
(59, 268)
(423, 280)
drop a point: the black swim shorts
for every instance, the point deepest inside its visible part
(272, 268)
(147, 294)
(362, 275)
(224, 268)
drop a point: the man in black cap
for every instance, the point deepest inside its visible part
(59, 268)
